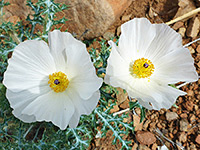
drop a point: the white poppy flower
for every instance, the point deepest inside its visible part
(148, 58)
(56, 83)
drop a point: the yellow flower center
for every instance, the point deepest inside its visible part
(58, 81)
(141, 68)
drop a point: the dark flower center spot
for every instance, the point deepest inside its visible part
(56, 81)
(146, 65)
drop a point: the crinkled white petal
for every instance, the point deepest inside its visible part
(117, 66)
(136, 37)
(165, 41)
(83, 107)
(29, 67)
(86, 86)
(55, 107)
(20, 100)
(79, 68)
(175, 66)
(159, 96)
(57, 43)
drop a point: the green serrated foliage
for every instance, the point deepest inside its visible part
(115, 124)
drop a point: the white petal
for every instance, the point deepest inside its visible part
(77, 57)
(55, 107)
(176, 66)
(57, 43)
(80, 70)
(155, 96)
(19, 100)
(117, 66)
(165, 41)
(137, 35)
(163, 97)
(25, 118)
(83, 107)
(160, 96)
(86, 86)
(29, 67)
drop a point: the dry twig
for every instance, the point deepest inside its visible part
(187, 15)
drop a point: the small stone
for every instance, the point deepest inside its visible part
(192, 118)
(183, 125)
(126, 17)
(175, 131)
(171, 116)
(183, 137)
(146, 124)
(182, 31)
(171, 135)
(198, 49)
(124, 105)
(135, 146)
(190, 93)
(164, 131)
(154, 146)
(119, 31)
(145, 137)
(114, 109)
(159, 125)
(153, 116)
(138, 111)
(143, 147)
(196, 107)
(136, 123)
(184, 115)
(162, 111)
(198, 64)
(198, 139)
(192, 51)
(152, 126)
(193, 29)
(121, 96)
(178, 25)
(192, 146)
(189, 105)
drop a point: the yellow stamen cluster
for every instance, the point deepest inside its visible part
(58, 81)
(141, 68)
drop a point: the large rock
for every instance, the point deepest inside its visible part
(16, 11)
(92, 17)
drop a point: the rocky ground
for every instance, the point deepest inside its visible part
(176, 127)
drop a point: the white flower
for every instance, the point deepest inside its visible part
(54, 83)
(148, 58)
